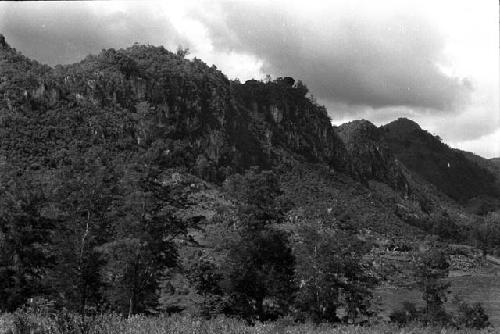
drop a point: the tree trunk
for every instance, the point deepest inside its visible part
(259, 304)
(131, 306)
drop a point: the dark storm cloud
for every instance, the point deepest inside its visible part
(343, 57)
(61, 33)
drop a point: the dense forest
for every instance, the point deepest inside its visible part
(139, 181)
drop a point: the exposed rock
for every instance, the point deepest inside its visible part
(369, 156)
(276, 113)
(3, 43)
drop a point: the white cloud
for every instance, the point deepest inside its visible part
(486, 146)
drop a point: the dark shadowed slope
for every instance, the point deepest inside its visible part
(448, 169)
(370, 157)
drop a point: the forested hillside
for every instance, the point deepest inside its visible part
(141, 181)
(448, 169)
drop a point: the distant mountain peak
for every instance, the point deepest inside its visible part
(369, 156)
(357, 131)
(457, 174)
(359, 124)
(403, 125)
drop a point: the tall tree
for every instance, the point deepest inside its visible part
(261, 260)
(431, 269)
(142, 245)
(330, 275)
(25, 241)
(84, 191)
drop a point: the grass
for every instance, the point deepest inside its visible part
(114, 324)
(473, 288)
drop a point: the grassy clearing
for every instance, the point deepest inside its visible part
(114, 324)
(471, 288)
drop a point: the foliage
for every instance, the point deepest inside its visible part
(330, 275)
(467, 316)
(258, 194)
(486, 234)
(450, 171)
(206, 277)
(430, 270)
(141, 247)
(407, 314)
(115, 324)
(83, 195)
(261, 260)
(261, 275)
(471, 316)
(25, 240)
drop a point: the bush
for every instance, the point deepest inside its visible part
(431, 269)
(26, 321)
(331, 277)
(407, 314)
(471, 316)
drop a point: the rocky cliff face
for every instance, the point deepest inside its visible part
(288, 124)
(146, 97)
(370, 158)
(216, 126)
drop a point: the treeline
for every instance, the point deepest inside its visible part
(482, 233)
(104, 238)
(431, 269)
(89, 234)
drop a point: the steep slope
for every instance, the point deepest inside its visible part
(495, 161)
(492, 165)
(19, 77)
(145, 95)
(286, 121)
(145, 102)
(449, 170)
(370, 158)
(483, 204)
(189, 115)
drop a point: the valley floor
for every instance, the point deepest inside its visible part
(480, 285)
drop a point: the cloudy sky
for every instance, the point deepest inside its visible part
(434, 61)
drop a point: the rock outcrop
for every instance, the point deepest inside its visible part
(369, 156)
(218, 126)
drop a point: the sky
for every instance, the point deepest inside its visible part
(433, 61)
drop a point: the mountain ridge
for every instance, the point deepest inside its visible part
(449, 169)
(217, 126)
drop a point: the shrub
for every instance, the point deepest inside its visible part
(407, 314)
(431, 269)
(330, 276)
(471, 316)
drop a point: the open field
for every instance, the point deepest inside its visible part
(483, 289)
(471, 288)
(112, 324)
